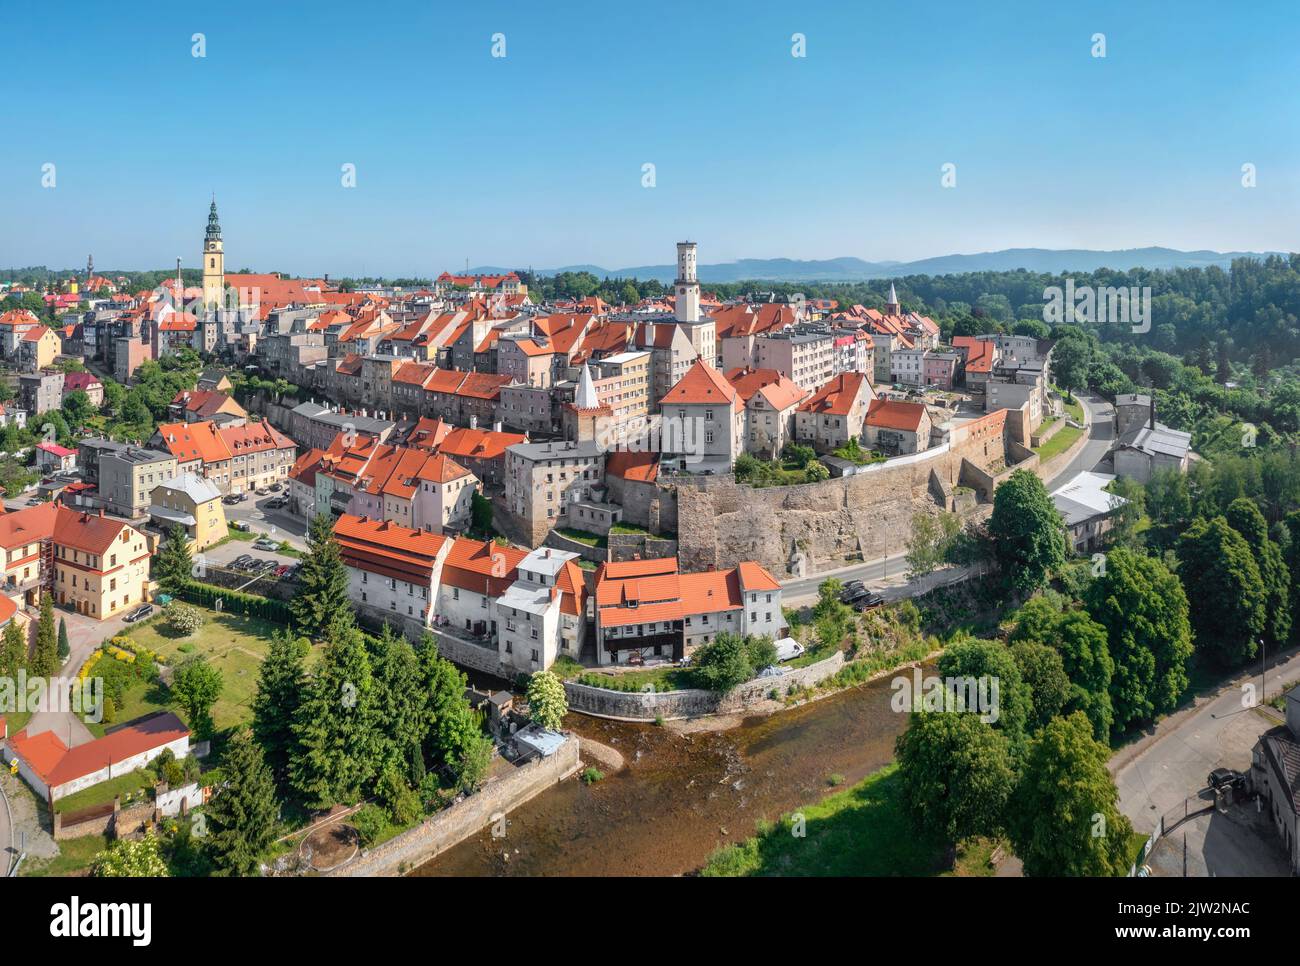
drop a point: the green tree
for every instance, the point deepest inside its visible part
(723, 663)
(480, 513)
(1142, 606)
(127, 858)
(78, 407)
(322, 607)
(45, 661)
(173, 565)
(1245, 517)
(992, 660)
(280, 686)
(1227, 594)
(1028, 535)
(1043, 671)
(1064, 818)
(197, 685)
(13, 653)
(401, 699)
(930, 542)
(65, 648)
(547, 704)
(1072, 359)
(1085, 655)
(242, 815)
(336, 726)
(955, 773)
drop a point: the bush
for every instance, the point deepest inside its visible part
(234, 602)
(184, 620)
(592, 775)
(370, 822)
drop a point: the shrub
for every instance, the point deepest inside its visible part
(592, 775)
(181, 619)
(370, 822)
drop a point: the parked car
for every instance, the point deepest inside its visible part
(282, 570)
(261, 491)
(868, 602)
(140, 613)
(275, 487)
(277, 503)
(787, 649)
(1224, 777)
(853, 588)
(266, 543)
(242, 526)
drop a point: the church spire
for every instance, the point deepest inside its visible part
(214, 227)
(585, 397)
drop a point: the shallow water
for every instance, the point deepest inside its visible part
(682, 796)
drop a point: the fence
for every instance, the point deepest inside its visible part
(1169, 821)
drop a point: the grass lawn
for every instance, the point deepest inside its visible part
(74, 856)
(666, 677)
(234, 644)
(583, 537)
(105, 792)
(1073, 408)
(857, 831)
(233, 534)
(628, 528)
(1063, 440)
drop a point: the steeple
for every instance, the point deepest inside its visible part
(892, 307)
(585, 397)
(214, 227)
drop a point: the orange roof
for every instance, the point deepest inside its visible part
(381, 546)
(780, 391)
(755, 577)
(27, 525)
(91, 533)
(890, 414)
(254, 438)
(304, 470)
(481, 567)
(628, 465)
(978, 352)
(483, 385)
(529, 347)
(56, 764)
(194, 441)
(837, 396)
(18, 317)
(441, 468)
(36, 335)
(483, 444)
(701, 384)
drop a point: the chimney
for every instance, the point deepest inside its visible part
(1153, 412)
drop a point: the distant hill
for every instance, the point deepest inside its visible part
(857, 270)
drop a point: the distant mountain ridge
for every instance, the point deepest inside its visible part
(850, 269)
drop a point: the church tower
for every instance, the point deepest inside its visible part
(214, 260)
(892, 307)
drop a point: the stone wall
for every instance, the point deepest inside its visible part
(467, 817)
(647, 706)
(821, 526)
(640, 546)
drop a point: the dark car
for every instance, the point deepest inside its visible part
(140, 613)
(852, 589)
(867, 602)
(1222, 777)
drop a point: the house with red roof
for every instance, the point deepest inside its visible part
(771, 399)
(53, 458)
(897, 428)
(54, 770)
(648, 608)
(702, 422)
(835, 413)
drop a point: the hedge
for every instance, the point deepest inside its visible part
(234, 602)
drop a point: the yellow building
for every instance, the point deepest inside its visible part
(101, 565)
(39, 347)
(195, 504)
(214, 260)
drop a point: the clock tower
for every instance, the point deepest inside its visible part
(214, 260)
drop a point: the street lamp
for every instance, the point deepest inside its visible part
(1263, 671)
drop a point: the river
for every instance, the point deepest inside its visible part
(683, 795)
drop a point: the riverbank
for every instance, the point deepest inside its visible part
(681, 795)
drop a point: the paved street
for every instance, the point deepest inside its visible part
(1101, 433)
(1156, 774)
(280, 524)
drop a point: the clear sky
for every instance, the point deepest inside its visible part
(536, 158)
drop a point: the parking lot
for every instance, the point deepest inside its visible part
(271, 564)
(258, 513)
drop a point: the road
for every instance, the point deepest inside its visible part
(1156, 774)
(280, 524)
(1101, 434)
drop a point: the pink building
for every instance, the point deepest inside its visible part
(941, 369)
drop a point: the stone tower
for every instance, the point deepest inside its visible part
(214, 260)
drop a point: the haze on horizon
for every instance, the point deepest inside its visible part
(536, 158)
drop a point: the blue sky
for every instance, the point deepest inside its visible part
(536, 158)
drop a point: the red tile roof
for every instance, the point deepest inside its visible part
(891, 414)
(56, 764)
(701, 384)
(637, 466)
(837, 396)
